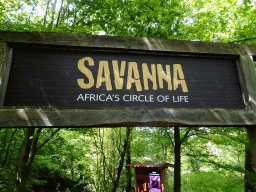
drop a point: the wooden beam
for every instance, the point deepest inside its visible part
(137, 43)
(112, 117)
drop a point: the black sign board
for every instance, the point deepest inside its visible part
(89, 78)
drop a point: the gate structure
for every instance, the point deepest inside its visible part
(63, 80)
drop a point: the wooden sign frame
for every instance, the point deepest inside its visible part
(42, 116)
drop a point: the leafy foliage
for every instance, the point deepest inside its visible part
(222, 21)
(77, 157)
(211, 182)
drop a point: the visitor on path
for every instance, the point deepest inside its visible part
(87, 188)
(58, 187)
(67, 190)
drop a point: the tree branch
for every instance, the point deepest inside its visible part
(169, 138)
(246, 39)
(223, 166)
(17, 9)
(33, 148)
(7, 150)
(48, 139)
(206, 138)
(200, 133)
(58, 18)
(104, 158)
(186, 135)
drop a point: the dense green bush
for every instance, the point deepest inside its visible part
(209, 182)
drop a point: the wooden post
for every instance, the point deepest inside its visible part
(5, 65)
(250, 184)
(164, 180)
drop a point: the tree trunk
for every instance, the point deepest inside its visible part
(29, 149)
(8, 148)
(248, 169)
(53, 15)
(104, 159)
(46, 11)
(128, 169)
(250, 161)
(98, 165)
(58, 18)
(177, 164)
(121, 162)
(3, 143)
(27, 156)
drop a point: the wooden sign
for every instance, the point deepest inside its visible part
(70, 80)
(93, 78)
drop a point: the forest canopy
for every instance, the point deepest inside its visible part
(83, 157)
(215, 21)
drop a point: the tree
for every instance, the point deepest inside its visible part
(178, 141)
(10, 143)
(121, 161)
(219, 149)
(108, 147)
(128, 161)
(29, 150)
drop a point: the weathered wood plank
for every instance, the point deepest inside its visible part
(4, 55)
(247, 72)
(126, 42)
(124, 117)
(5, 74)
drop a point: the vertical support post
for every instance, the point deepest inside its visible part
(250, 162)
(5, 66)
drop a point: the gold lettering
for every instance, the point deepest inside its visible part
(164, 76)
(118, 80)
(104, 68)
(133, 69)
(147, 75)
(87, 72)
(177, 71)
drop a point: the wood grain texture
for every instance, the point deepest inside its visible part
(4, 52)
(116, 117)
(124, 117)
(126, 42)
(2, 62)
(248, 80)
